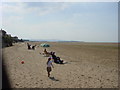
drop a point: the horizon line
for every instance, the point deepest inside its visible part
(57, 40)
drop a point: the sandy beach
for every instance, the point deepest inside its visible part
(89, 65)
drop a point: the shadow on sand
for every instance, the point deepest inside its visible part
(52, 78)
(63, 63)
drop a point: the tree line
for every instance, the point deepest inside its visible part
(8, 40)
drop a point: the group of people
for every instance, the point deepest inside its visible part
(56, 59)
(51, 59)
(52, 54)
(31, 47)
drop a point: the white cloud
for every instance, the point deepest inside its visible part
(13, 18)
(37, 31)
(60, 0)
(11, 0)
(14, 8)
(20, 8)
(16, 24)
(48, 9)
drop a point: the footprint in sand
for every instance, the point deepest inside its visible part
(17, 84)
(89, 77)
(99, 80)
(82, 75)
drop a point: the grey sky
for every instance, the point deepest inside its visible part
(82, 21)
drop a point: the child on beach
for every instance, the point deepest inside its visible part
(49, 64)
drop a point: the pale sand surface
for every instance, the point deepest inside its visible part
(89, 66)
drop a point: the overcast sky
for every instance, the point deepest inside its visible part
(82, 21)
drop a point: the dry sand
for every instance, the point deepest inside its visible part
(89, 65)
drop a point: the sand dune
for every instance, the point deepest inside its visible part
(89, 66)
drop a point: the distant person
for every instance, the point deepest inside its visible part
(56, 59)
(46, 53)
(29, 46)
(59, 61)
(33, 47)
(49, 65)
